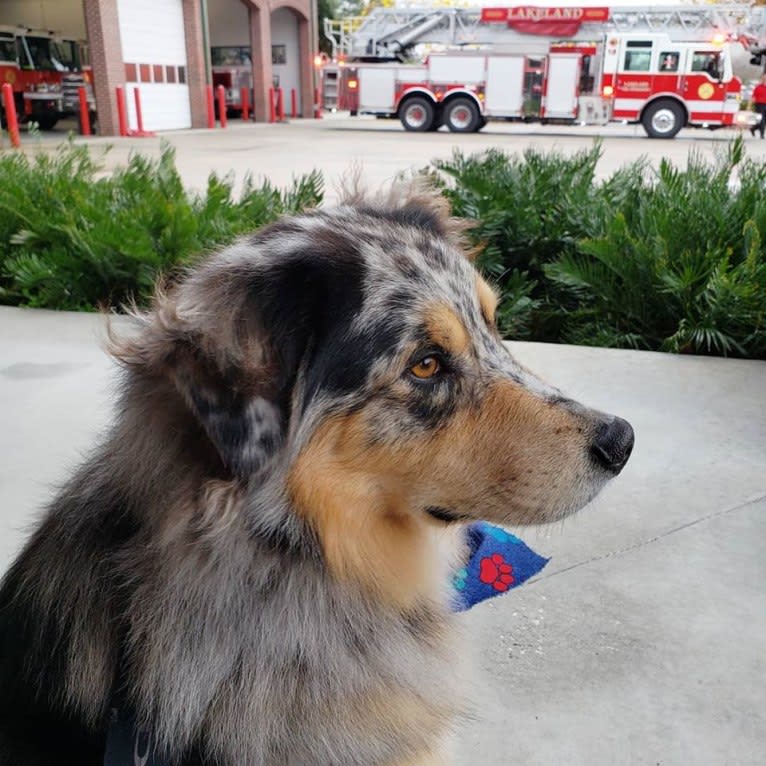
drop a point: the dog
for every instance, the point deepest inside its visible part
(256, 559)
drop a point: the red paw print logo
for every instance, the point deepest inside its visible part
(496, 572)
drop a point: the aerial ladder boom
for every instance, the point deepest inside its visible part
(389, 33)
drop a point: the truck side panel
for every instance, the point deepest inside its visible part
(560, 100)
(505, 84)
(377, 89)
(457, 69)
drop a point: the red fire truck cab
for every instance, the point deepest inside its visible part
(43, 70)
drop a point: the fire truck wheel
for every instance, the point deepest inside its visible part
(462, 116)
(663, 119)
(46, 121)
(417, 114)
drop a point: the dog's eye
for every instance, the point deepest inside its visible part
(426, 368)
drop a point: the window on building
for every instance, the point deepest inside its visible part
(278, 54)
(638, 56)
(669, 61)
(230, 55)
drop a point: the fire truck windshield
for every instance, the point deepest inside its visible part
(7, 49)
(55, 55)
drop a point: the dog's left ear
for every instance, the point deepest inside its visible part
(241, 326)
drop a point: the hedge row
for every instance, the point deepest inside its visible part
(664, 259)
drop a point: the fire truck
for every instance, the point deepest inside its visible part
(45, 71)
(662, 67)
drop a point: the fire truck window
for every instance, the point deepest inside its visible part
(64, 56)
(587, 81)
(7, 49)
(40, 50)
(638, 56)
(706, 61)
(669, 61)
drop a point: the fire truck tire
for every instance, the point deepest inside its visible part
(46, 121)
(462, 116)
(417, 114)
(663, 119)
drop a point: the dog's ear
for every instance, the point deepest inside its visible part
(236, 332)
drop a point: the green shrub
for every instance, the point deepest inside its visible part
(664, 259)
(72, 237)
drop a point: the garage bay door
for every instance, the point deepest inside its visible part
(154, 52)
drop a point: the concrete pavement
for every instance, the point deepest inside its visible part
(642, 642)
(382, 148)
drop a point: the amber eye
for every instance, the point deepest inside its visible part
(426, 368)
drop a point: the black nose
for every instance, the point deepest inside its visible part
(613, 444)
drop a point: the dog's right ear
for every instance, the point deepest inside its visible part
(233, 335)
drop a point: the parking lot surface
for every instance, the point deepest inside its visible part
(382, 149)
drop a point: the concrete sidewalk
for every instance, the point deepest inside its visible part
(642, 642)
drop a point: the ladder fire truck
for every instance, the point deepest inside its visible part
(663, 67)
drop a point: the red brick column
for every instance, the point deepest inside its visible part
(306, 67)
(196, 76)
(103, 29)
(260, 46)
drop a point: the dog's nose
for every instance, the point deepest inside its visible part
(613, 444)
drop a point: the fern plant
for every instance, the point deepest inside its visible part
(74, 238)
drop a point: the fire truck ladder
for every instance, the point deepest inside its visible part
(389, 33)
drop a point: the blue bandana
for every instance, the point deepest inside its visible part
(498, 562)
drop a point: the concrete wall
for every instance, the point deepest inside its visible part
(64, 16)
(228, 22)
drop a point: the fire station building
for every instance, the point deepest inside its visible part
(167, 48)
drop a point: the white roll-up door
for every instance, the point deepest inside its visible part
(154, 52)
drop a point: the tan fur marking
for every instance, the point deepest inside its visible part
(488, 300)
(446, 329)
(501, 460)
(354, 496)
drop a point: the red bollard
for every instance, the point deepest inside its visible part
(10, 115)
(293, 103)
(210, 107)
(139, 113)
(122, 112)
(317, 105)
(84, 112)
(244, 96)
(281, 102)
(272, 107)
(221, 93)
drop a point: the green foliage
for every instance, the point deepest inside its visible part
(72, 237)
(664, 259)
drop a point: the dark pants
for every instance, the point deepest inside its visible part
(761, 126)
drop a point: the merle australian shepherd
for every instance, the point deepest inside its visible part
(257, 557)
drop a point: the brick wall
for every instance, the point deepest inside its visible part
(102, 26)
(195, 61)
(260, 41)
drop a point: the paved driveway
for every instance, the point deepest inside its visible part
(382, 148)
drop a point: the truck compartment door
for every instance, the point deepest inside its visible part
(505, 80)
(377, 89)
(561, 83)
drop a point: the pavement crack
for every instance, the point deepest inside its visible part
(651, 540)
